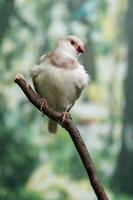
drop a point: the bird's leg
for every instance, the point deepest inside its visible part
(43, 103)
(64, 116)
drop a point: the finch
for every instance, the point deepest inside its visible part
(60, 78)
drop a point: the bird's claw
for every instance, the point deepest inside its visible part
(43, 103)
(64, 116)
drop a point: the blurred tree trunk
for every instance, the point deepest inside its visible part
(88, 58)
(123, 176)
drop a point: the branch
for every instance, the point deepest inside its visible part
(69, 125)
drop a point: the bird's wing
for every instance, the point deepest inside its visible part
(36, 86)
(78, 91)
(37, 68)
(81, 81)
(34, 72)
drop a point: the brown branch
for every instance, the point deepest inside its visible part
(69, 125)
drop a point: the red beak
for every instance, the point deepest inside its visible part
(80, 49)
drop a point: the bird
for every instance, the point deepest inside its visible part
(59, 78)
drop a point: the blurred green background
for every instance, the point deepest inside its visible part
(35, 165)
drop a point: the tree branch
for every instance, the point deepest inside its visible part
(69, 125)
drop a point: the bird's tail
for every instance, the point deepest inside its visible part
(52, 126)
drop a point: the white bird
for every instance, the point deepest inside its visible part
(60, 78)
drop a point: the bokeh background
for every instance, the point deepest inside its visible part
(35, 165)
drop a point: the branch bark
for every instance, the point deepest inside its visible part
(69, 125)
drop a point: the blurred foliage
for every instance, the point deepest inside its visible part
(29, 29)
(18, 154)
(7, 9)
(22, 194)
(64, 154)
(123, 178)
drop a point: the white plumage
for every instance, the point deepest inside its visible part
(60, 78)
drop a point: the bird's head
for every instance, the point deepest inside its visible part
(72, 45)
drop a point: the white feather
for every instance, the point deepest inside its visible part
(59, 85)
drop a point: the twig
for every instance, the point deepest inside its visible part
(69, 125)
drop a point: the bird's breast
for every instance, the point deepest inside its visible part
(59, 84)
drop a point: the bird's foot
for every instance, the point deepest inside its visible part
(43, 103)
(64, 116)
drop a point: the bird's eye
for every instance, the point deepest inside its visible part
(72, 42)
